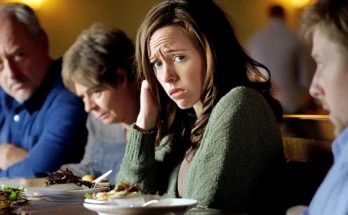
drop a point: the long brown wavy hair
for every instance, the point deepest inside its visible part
(227, 65)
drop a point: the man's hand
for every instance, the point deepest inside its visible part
(10, 155)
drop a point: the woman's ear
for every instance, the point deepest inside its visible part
(122, 77)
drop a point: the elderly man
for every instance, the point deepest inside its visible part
(42, 124)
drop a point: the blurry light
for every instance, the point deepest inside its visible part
(300, 3)
(35, 4)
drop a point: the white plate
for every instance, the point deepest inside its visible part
(94, 201)
(175, 206)
(68, 195)
(33, 192)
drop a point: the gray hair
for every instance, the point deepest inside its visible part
(24, 15)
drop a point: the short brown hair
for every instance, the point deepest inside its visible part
(96, 55)
(332, 15)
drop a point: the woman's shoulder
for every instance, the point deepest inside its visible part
(240, 98)
(243, 111)
(242, 104)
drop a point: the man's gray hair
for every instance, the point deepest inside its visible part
(24, 15)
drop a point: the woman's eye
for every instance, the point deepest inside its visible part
(157, 65)
(179, 58)
(96, 94)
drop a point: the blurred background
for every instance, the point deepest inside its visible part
(65, 19)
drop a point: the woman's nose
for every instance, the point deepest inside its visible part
(169, 74)
(89, 104)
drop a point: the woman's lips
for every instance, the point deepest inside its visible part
(103, 116)
(176, 93)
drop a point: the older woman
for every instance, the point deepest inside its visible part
(206, 108)
(99, 68)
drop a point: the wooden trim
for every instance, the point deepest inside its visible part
(306, 116)
(307, 150)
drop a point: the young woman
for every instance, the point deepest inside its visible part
(207, 127)
(99, 68)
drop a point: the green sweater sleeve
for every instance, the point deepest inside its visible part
(145, 164)
(239, 144)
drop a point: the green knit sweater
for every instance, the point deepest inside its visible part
(240, 146)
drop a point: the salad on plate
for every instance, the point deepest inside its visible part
(10, 196)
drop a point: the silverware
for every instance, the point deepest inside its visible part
(100, 178)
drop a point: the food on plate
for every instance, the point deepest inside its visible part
(9, 196)
(66, 177)
(127, 187)
(105, 180)
(123, 189)
(5, 202)
(89, 178)
(103, 183)
(89, 195)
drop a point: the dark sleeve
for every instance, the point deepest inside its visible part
(62, 140)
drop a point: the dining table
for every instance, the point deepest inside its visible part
(42, 206)
(45, 207)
